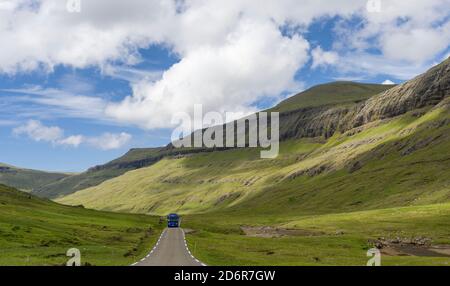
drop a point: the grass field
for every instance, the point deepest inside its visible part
(332, 239)
(39, 232)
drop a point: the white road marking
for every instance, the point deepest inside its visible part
(185, 244)
(148, 255)
(187, 248)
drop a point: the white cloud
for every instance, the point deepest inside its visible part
(43, 33)
(231, 53)
(417, 45)
(227, 77)
(109, 141)
(59, 103)
(360, 63)
(323, 58)
(37, 131)
(130, 74)
(388, 82)
(74, 140)
(7, 5)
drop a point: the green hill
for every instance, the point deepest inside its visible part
(395, 162)
(348, 177)
(132, 160)
(334, 93)
(26, 179)
(389, 150)
(36, 231)
(316, 100)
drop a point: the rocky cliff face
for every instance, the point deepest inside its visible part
(428, 89)
(311, 122)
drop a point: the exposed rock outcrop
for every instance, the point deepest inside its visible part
(428, 89)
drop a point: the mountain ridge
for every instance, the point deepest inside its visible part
(326, 144)
(301, 120)
(142, 157)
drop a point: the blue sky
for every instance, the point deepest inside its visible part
(74, 97)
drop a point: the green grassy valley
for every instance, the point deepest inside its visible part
(35, 231)
(350, 175)
(360, 166)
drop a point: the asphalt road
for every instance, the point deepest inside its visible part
(170, 250)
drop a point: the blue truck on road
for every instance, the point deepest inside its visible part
(173, 220)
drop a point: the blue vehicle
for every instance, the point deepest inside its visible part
(173, 220)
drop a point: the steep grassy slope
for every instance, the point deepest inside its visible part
(132, 160)
(394, 162)
(317, 100)
(391, 150)
(320, 111)
(25, 179)
(34, 231)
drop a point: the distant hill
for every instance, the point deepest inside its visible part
(26, 179)
(133, 159)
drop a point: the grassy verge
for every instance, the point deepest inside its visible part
(39, 232)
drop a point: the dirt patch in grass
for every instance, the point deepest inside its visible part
(420, 246)
(188, 230)
(411, 250)
(270, 232)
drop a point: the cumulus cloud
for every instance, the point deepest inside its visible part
(37, 131)
(413, 31)
(415, 45)
(43, 34)
(231, 53)
(323, 58)
(388, 82)
(226, 77)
